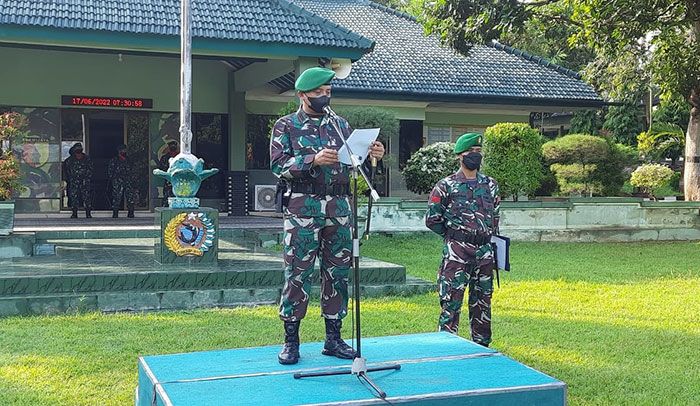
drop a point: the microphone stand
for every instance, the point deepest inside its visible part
(371, 200)
(359, 364)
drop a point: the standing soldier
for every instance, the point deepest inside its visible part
(464, 210)
(118, 173)
(77, 172)
(163, 165)
(304, 152)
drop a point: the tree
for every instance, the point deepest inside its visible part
(673, 109)
(670, 28)
(513, 156)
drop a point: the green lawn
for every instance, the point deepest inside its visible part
(618, 323)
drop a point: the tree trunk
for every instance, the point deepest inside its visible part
(691, 177)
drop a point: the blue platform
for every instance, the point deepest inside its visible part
(436, 369)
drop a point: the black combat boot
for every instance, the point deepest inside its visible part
(115, 214)
(130, 214)
(290, 350)
(87, 214)
(334, 345)
(75, 214)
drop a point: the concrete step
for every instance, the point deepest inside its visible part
(109, 301)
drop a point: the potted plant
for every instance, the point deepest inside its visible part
(13, 127)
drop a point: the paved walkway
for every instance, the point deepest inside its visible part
(143, 221)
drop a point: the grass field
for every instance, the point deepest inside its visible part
(617, 322)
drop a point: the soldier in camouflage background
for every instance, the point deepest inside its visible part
(122, 181)
(303, 151)
(464, 210)
(77, 173)
(163, 165)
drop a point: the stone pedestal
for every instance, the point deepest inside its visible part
(187, 236)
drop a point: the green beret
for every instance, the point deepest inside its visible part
(466, 141)
(313, 78)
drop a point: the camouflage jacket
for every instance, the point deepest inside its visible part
(119, 170)
(77, 171)
(454, 204)
(296, 138)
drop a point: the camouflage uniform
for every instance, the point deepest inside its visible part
(314, 223)
(465, 213)
(78, 176)
(118, 172)
(163, 165)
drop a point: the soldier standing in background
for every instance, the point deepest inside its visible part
(77, 173)
(119, 175)
(163, 165)
(304, 153)
(464, 210)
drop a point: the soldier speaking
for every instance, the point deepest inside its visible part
(464, 210)
(304, 153)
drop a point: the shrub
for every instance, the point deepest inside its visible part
(576, 148)
(9, 176)
(513, 156)
(13, 127)
(615, 171)
(651, 178)
(597, 165)
(662, 141)
(576, 178)
(428, 165)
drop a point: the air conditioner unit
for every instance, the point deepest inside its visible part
(265, 197)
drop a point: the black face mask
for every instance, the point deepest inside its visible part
(472, 161)
(317, 104)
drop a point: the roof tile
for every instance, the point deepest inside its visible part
(404, 60)
(254, 20)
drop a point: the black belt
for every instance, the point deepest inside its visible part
(322, 190)
(470, 238)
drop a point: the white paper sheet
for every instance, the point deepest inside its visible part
(360, 141)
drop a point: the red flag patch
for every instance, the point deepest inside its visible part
(435, 199)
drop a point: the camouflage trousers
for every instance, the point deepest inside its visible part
(306, 238)
(122, 188)
(465, 265)
(79, 191)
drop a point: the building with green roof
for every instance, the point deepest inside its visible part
(107, 72)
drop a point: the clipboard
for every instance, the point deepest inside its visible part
(501, 250)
